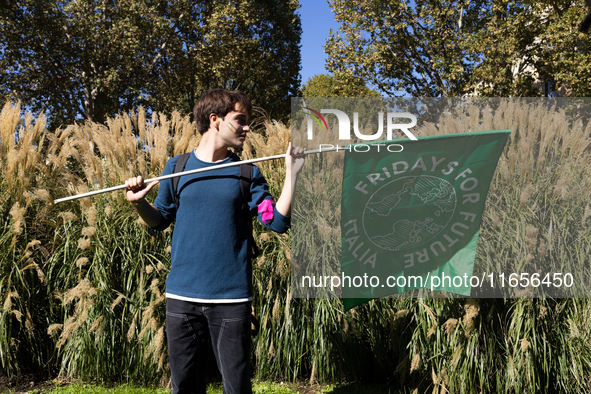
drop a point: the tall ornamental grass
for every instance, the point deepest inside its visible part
(82, 283)
(536, 217)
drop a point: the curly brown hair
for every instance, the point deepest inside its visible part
(219, 102)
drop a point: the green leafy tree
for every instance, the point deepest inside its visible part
(524, 45)
(94, 58)
(71, 59)
(249, 45)
(452, 48)
(325, 85)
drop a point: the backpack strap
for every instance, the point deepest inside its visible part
(179, 167)
(245, 181)
(246, 171)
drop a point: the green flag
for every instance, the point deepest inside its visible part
(411, 213)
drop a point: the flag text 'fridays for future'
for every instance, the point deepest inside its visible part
(415, 213)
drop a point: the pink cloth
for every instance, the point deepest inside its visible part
(266, 207)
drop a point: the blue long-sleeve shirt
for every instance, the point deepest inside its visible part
(209, 251)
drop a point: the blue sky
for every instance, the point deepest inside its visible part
(317, 20)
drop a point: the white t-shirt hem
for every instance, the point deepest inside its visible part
(209, 301)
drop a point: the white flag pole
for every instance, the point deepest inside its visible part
(234, 163)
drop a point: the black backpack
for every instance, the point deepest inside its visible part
(245, 181)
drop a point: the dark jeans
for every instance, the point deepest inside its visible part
(187, 324)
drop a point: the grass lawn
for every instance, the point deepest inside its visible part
(258, 388)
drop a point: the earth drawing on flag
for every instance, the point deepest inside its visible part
(416, 212)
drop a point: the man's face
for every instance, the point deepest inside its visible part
(233, 127)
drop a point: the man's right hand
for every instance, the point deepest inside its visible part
(137, 190)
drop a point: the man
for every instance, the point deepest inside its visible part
(209, 286)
